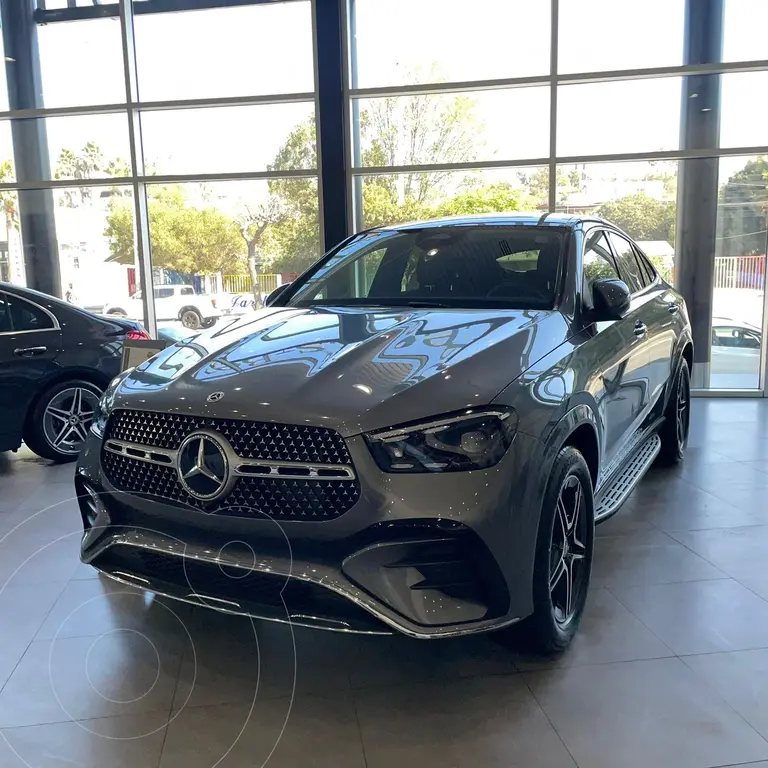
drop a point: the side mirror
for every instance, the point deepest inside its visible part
(611, 298)
(275, 295)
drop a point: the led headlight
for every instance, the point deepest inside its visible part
(474, 439)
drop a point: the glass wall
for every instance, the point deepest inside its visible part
(491, 121)
(214, 140)
(226, 160)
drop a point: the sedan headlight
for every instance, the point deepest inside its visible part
(474, 439)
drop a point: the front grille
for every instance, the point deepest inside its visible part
(280, 498)
(250, 439)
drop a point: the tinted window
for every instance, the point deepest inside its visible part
(598, 260)
(163, 293)
(735, 336)
(26, 316)
(456, 266)
(5, 314)
(187, 291)
(646, 266)
(629, 269)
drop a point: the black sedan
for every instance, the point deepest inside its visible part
(55, 361)
(418, 434)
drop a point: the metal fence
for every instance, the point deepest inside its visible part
(740, 272)
(243, 284)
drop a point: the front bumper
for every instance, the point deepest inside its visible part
(424, 555)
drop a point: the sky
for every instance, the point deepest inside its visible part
(268, 49)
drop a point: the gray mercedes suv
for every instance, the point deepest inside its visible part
(418, 434)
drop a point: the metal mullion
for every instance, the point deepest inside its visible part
(158, 106)
(352, 116)
(141, 205)
(649, 73)
(553, 53)
(473, 165)
(227, 101)
(671, 154)
(31, 114)
(112, 10)
(575, 78)
(763, 378)
(116, 181)
(745, 393)
(318, 148)
(419, 89)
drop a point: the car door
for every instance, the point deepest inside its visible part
(167, 304)
(617, 352)
(30, 340)
(651, 303)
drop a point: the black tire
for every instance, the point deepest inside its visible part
(677, 419)
(549, 629)
(191, 318)
(118, 312)
(41, 425)
(209, 322)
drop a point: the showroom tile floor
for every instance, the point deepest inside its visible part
(669, 668)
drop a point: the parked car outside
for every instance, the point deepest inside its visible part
(736, 347)
(417, 435)
(172, 302)
(55, 362)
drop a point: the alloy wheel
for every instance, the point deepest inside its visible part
(67, 418)
(567, 555)
(683, 410)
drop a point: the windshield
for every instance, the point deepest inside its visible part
(514, 267)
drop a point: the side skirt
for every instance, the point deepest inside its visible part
(615, 489)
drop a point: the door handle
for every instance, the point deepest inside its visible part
(640, 328)
(673, 309)
(30, 351)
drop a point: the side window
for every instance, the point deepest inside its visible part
(163, 293)
(646, 266)
(598, 260)
(28, 317)
(187, 291)
(629, 268)
(5, 314)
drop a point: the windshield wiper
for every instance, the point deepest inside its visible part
(427, 305)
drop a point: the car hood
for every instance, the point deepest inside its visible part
(350, 369)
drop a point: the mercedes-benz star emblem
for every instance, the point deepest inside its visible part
(214, 397)
(203, 466)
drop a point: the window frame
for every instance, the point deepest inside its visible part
(645, 263)
(633, 250)
(585, 286)
(13, 332)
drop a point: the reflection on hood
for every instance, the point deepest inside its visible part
(344, 367)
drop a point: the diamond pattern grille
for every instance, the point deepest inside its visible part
(279, 498)
(250, 439)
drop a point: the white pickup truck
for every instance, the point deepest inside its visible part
(172, 302)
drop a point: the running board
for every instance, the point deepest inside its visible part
(624, 483)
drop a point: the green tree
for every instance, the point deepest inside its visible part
(494, 198)
(537, 186)
(184, 237)
(743, 210)
(293, 242)
(8, 199)
(642, 217)
(88, 163)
